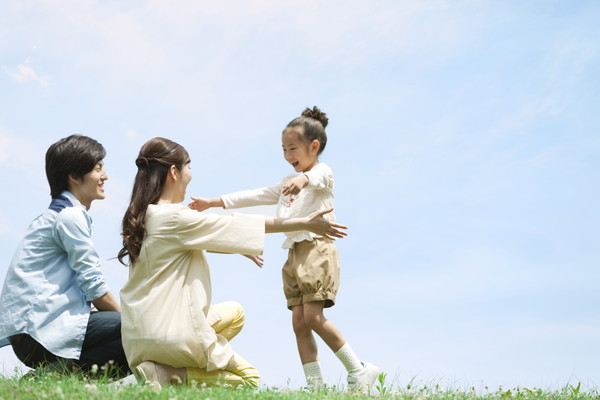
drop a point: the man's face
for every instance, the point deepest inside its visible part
(91, 186)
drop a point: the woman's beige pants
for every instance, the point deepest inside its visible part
(238, 371)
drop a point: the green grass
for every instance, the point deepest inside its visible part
(52, 385)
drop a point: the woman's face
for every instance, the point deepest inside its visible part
(185, 176)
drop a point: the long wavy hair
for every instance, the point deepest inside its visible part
(154, 161)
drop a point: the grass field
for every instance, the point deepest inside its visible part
(78, 386)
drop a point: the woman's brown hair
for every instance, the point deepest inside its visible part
(154, 161)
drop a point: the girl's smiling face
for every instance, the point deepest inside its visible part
(299, 153)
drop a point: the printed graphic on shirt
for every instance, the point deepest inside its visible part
(287, 201)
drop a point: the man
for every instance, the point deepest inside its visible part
(54, 278)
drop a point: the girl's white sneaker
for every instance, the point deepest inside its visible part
(363, 380)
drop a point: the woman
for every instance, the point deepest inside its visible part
(170, 330)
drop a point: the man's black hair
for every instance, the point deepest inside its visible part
(75, 155)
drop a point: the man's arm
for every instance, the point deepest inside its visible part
(73, 232)
(107, 303)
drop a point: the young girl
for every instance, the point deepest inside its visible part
(311, 272)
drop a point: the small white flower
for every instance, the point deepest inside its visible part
(90, 387)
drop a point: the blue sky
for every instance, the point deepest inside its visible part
(464, 137)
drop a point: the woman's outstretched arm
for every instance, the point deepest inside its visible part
(315, 223)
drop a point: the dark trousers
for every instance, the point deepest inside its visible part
(102, 345)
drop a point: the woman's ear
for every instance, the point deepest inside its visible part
(173, 173)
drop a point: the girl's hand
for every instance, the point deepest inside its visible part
(199, 204)
(319, 225)
(294, 185)
(258, 260)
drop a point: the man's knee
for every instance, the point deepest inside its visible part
(106, 319)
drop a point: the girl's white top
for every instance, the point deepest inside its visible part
(316, 196)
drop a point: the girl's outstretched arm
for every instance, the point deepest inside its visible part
(201, 203)
(315, 223)
(295, 185)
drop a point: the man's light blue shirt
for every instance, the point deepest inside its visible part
(53, 277)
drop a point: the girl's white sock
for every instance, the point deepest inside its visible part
(349, 359)
(312, 371)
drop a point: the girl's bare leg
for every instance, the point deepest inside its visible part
(361, 375)
(314, 320)
(307, 346)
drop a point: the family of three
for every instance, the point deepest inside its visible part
(57, 310)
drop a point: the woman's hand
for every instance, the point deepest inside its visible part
(316, 223)
(258, 260)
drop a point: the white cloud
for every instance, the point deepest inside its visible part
(24, 73)
(155, 39)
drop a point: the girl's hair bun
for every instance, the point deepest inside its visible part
(317, 114)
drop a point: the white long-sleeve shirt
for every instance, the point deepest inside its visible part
(316, 196)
